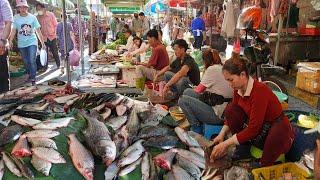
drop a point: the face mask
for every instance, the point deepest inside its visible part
(40, 13)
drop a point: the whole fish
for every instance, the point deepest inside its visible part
(117, 122)
(48, 154)
(131, 156)
(42, 133)
(10, 134)
(100, 107)
(193, 157)
(116, 100)
(164, 160)
(21, 149)
(180, 174)
(98, 138)
(1, 168)
(121, 109)
(133, 124)
(25, 170)
(35, 107)
(42, 142)
(8, 161)
(52, 124)
(24, 121)
(106, 114)
(154, 131)
(82, 158)
(163, 142)
(112, 171)
(64, 99)
(5, 119)
(185, 138)
(133, 147)
(236, 172)
(121, 140)
(153, 169)
(189, 166)
(130, 168)
(169, 176)
(203, 142)
(145, 167)
(40, 115)
(41, 165)
(197, 150)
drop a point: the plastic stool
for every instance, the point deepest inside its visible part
(257, 153)
(209, 130)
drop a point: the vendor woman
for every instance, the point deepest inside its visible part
(255, 116)
(195, 103)
(138, 47)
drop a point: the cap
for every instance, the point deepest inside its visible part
(22, 3)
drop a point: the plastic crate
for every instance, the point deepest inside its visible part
(277, 171)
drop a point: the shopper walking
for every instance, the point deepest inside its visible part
(27, 27)
(49, 25)
(6, 19)
(198, 27)
(145, 25)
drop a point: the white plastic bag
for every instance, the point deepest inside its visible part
(74, 57)
(43, 57)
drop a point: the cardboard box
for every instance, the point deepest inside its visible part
(308, 77)
(129, 75)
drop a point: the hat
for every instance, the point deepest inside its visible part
(22, 3)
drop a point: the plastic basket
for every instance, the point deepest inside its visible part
(277, 171)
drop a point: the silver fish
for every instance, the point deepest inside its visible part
(10, 164)
(121, 109)
(133, 124)
(25, 170)
(21, 149)
(189, 166)
(10, 134)
(185, 138)
(203, 142)
(1, 168)
(34, 107)
(42, 142)
(117, 122)
(24, 121)
(193, 157)
(106, 114)
(235, 173)
(112, 171)
(133, 147)
(164, 160)
(41, 165)
(153, 169)
(145, 167)
(52, 124)
(64, 99)
(130, 168)
(180, 174)
(48, 154)
(6, 118)
(100, 107)
(131, 157)
(197, 150)
(169, 176)
(121, 140)
(42, 133)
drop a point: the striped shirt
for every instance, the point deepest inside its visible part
(5, 15)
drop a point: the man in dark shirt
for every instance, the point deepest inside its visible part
(158, 60)
(182, 72)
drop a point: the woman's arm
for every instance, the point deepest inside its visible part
(200, 88)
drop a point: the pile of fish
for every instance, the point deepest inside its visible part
(120, 131)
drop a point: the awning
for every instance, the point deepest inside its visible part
(124, 10)
(156, 6)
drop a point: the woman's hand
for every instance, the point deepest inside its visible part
(219, 139)
(165, 90)
(43, 46)
(155, 78)
(218, 151)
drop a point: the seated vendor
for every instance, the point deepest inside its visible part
(138, 47)
(158, 60)
(182, 72)
(206, 103)
(129, 37)
(254, 116)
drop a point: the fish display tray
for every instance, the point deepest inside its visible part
(277, 171)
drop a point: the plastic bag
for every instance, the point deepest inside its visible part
(74, 57)
(43, 57)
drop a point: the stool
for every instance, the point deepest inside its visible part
(209, 130)
(257, 153)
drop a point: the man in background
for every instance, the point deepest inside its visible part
(136, 25)
(145, 25)
(198, 27)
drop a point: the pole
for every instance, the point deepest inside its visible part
(66, 54)
(91, 33)
(80, 35)
(278, 39)
(288, 16)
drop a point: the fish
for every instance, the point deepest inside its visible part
(53, 124)
(10, 134)
(116, 100)
(203, 142)
(185, 138)
(24, 121)
(48, 154)
(25, 170)
(41, 165)
(145, 167)
(35, 107)
(193, 157)
(154, 131)
(180, 174)
(121, 109)
(153, 169)
(111, 171)
(81, 157)
(117, 122)
(21, 149)
(8, 161)
(130, 168)
(98, 138)
(40, 115)
(189, 166)
(164, 160)
(42, 142)
(106, 114)
(1, 168)
(42, 133)
(133, 147)
(163, 142)
(133, 124)
(197, 150)
(236, 172)
(5, 119)
(100, 107)
(131, 156)
(121, 140)
(169, 176)
(71, 101)
(64, 99)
